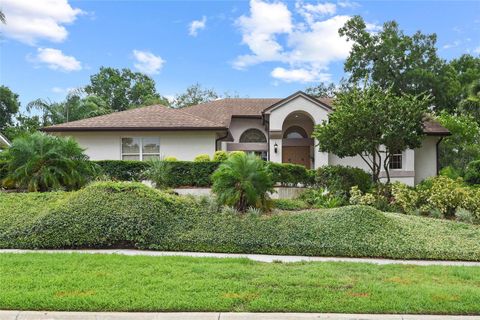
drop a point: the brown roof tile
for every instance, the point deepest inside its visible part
(154, 117)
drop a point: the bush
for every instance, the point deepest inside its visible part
(170, 159)
(41, 162)
(243, 181)
(450, 172)
(290, 204)
(131, 215)
(463, 215)
(472, 173)
(123, 170)
(236, 153)
(160, 173)
(287, 174)
(322, 198)
(340, 179)
(202, 158)
(192, 174)
(220, 156)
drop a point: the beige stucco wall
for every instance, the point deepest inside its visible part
(426, 159)
(184, 145)
(240, 125)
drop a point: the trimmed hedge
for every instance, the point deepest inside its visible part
(198, 174)
(131, 215)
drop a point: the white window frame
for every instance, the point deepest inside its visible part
(140, 153)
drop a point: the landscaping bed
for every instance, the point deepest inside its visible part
(79, 282)
(132, 215)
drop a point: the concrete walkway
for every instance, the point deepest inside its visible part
(255, 257)
(44, 315)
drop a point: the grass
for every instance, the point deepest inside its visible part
(135, 216)
(82, 282)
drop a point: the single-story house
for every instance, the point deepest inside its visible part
(278, 130)
(4, 143)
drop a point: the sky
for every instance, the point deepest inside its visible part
(248, 48)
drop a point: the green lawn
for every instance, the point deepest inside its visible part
(122, 283)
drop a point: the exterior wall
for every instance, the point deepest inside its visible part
(240, 125)
(184, 145)
(277, 119)
(426, 159)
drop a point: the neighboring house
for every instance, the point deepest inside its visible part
(278, 130)
(4, 143)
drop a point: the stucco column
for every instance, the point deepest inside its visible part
(321, 158)
(275, 157)
(409, 161)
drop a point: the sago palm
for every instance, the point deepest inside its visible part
(41, 162)
(243, 181)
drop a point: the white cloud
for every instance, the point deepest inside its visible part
(348, 4)
(56, 60)
(31, 20)
(147, 62)
(309, 46)
(197, 25)
(454, 44)
(477, 50)
(61, 90)
(299, 75)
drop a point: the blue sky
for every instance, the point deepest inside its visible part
(254, 49)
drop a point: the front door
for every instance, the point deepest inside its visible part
(297, 155)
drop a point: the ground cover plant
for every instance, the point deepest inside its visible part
(131, 215)
(81, 282)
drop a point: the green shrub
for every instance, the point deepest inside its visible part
(472, 173)
(450, 172)
(41, 162)
(220, 156)
(123, 170)
(235, 153)
(290, 204)
(192, 174)
(243, 181)
(131, 215)
(202, 158)
(160, 173)
(322, 198)
(287, 174)
(463, 215)
(170, 159)
(340, 179)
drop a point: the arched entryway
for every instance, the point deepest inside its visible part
(297, 144)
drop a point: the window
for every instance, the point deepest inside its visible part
(395, 161)
(140, 148)
(253, 135)
(295, 132)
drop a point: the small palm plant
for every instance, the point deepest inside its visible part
(243, 181)
(41, 162)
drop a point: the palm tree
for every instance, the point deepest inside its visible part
(243, 181)
(42, 162)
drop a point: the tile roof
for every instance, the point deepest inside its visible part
(214, 115)
(154, 117)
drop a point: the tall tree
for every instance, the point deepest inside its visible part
(2, 17)
(322, 90)
(392, 59)
(376, 122)
(9, 105)
(123, 89)
(470, 105)
(73, 108)
(23, 126)
(194, 94)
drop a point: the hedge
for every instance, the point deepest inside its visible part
(472, 173)
(340, 179)
(197, 174)
(131, 215)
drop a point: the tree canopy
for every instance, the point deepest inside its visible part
(194, 94)
(376, 122)
(9, 106)
(123, 89)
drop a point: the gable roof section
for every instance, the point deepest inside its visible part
(325, 103)
(154, 117)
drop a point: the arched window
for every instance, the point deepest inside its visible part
(295, 132)
(253, 135)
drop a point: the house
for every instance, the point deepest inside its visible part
(4, 143)
(278, 130)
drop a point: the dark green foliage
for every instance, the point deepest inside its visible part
(290, 204)
(243, 181)
(287, 174)
(472, 174)
(340, 179)
(9, 105)
(131, 215)
(41, 162)
(123, 170)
